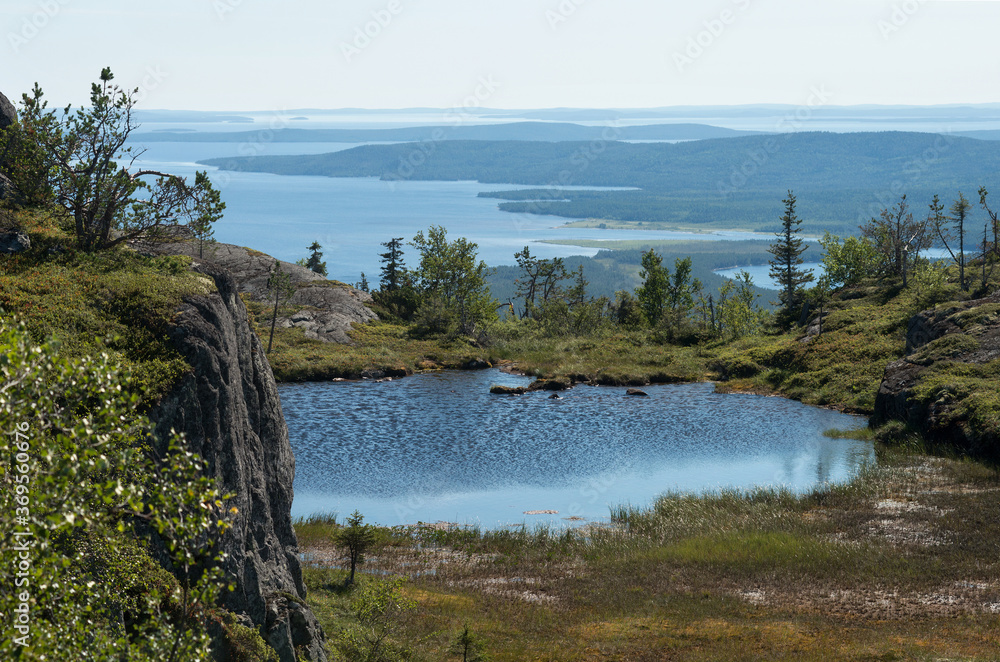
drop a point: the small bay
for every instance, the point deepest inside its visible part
(439, 447)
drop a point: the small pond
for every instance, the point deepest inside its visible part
(439, 447)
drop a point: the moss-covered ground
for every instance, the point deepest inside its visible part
(114, 301)
(901, 564)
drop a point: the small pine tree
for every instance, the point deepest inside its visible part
(469, 646)
(787, 251)
(315, 261)
(203, 226)
(393, 268)
(281, 286)
(357, 537)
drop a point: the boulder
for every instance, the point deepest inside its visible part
(497, 389)
(636, 392)
(14, 242)
(6, 186)
(8, 115)
(557, 384)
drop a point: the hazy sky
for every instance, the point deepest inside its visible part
(264, 54)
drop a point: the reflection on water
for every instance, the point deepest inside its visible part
(440, 447)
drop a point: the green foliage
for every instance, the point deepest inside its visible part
(450, 274)
(787, 250)
(666, 299)
(849, 261)
(469, 646)
(315, 261)
(737, 311)
(393, 268)
(210, 208)
(950, 229)
(24, 164)
(120, 303)
(245, 643)
(652, 294)
(377, 606)
(357, 538)
(627, 311)
(897, 240)
(87, 588)
(279, 286)
(110, 203)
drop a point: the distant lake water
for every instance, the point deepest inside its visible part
(761, 273)
(440, 447)
(350, 217)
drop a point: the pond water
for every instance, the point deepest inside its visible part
(439, 447)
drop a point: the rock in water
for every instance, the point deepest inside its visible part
(229, 410)
(497, 389)
(635, 391)
(557, 384)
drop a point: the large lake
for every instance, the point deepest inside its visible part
(439, 447)
(350, 216)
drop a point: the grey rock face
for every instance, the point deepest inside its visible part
(8, 115)
(14, 242)
(327, 311)
(229, 410)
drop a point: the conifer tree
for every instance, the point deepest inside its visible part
(393, 269)
(315, 261)
(785, 267)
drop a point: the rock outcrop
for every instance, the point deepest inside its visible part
(8, 115)
(229, 410)
(326, 310)
(933, 389)
(13, 242)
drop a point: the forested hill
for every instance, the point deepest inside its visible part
(537, 131)
(840, 179)
(805, 160)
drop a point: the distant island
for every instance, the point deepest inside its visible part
(842, 179)
(533, 131)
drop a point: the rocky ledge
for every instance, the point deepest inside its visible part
(945, 386)
(326, 310)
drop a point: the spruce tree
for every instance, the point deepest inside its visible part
(785, 267)
(315, 261)
(393, 269)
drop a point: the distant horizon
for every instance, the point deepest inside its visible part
(486, 110)
(519, 54)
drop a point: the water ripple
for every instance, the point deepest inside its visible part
(440, 446)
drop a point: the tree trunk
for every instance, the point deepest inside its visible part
(274, 319)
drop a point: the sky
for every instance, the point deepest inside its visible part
(268, 55)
